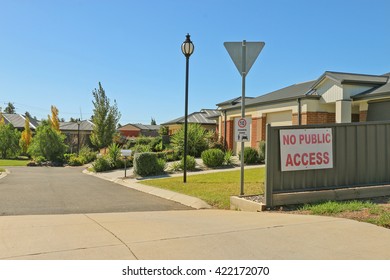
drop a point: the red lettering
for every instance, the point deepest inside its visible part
(286, 140)
(326, 158)
(312, 159)
(301, 138)
(314, 138)
(305, 160)
(328, 138)
(289, 160)
(289, 140)
(319, 158)
(297, 160)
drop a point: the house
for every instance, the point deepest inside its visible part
(136, 130)
(77, 133)
(207, 118)
(334, 97)
(18, 121)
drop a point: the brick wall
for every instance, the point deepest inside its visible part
(317, 118)
(363, 116)
(255, 132)
(229, 134)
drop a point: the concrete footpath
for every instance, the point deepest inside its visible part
(189, 234)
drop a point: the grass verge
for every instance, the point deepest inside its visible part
(214, 188)
(364, 211)
(14, 162)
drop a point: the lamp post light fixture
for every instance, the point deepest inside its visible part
(187, 48)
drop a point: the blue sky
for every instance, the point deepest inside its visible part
(56, 52)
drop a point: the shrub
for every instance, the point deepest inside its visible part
(101, 164)
(120, 163)
(156, 144)
(251, 156)
(74, 160)
(114, 153)
(171, 155)
(213, 157)
(228, 157)
(48, 143)
(39, 159)
(175, 166)
(87, 154)
(262, 151)
(196, 140)
(191, 163)
(138, 148)
(143, 140)
(147, 164)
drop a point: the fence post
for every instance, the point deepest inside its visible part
(268, 169)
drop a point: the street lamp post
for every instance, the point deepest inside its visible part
(187, 48)
(78, 136)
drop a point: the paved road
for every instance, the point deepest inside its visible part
(51, 190)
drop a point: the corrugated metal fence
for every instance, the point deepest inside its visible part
(361, 157)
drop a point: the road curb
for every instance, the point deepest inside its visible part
(4, 174)
(187, 200)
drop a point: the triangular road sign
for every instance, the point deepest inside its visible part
(250, 50)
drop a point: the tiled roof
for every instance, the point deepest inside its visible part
(18, 121)
(73, 126)
(304, 90)
(203, 117)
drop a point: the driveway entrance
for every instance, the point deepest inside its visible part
(57, 190)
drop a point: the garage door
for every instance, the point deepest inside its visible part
(280, 118)
(378, 111)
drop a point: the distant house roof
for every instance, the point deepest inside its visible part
(18, 120)
(85, 125)
(131, 126)
(205, 116)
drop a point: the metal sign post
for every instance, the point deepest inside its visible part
(243, 55)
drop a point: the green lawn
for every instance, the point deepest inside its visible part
(14, 162)
(214, 188)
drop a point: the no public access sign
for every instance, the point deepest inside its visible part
(242, 129)
(305, 149)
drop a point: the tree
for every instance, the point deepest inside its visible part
(9, 139)
(54, 121)
(153, 122)
(25, 139)
(28, 115)
(10, 109)
(105, 119)
(48, 143)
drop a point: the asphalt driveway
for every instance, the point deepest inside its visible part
(58, 190)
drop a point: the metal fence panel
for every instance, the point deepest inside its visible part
(361, 155)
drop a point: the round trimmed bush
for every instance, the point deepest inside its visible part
(213, 157)
(147, 164)
(251, 156)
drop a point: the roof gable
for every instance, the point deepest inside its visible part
(351, 78)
